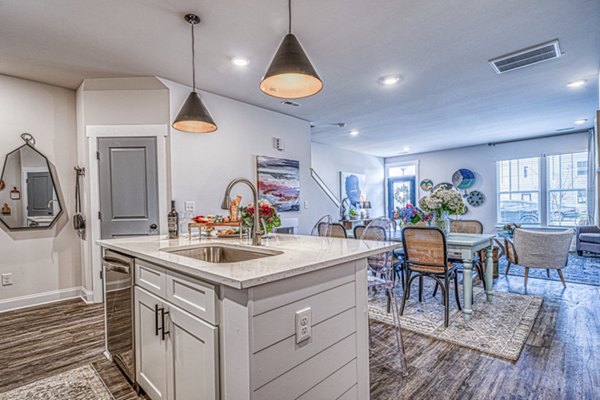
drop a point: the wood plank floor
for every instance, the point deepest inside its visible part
(561, 359)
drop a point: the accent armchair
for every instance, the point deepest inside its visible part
(545, 250)
(587, 239)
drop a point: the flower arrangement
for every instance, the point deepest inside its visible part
(267, 213)
(409, 215)
(442, 201)
(510, 228)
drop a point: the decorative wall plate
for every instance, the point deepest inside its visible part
(444, 185)
(426, 184)
(476, 198)
(463, 178)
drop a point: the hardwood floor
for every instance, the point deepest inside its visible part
(561, 359)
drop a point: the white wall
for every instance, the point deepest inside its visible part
(329, 161)
(203, 164)
(440, 165)
(45, 261)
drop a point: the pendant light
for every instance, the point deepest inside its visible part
(290, 74)
(194, 116)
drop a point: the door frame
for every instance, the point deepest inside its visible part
(92, 254)
(412, 179)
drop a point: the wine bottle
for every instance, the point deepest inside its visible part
(173, 220)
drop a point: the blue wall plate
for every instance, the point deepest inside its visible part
(463, 178)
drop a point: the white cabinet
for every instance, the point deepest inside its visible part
(176, 352)
(151, 350)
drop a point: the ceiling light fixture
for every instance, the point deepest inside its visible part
(194, 116)
(389, 80)
(580, 121)
(577, 83)
(290, 74)
(354, 132)
(240, 61)
(406, 149)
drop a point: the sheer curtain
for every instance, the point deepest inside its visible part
(591, 178)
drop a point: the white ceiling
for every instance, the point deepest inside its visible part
(449, 96)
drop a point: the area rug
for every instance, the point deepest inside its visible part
(499, 328)
(580, 269)
(81, 383)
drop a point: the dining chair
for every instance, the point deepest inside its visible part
(381, 275)
(474, 227)
(425, 255)
(545, 250)
(337, 230)
(322, 227)
(358, 230)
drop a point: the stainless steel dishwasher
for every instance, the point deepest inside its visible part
(118, 273)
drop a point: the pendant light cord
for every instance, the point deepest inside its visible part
(290, 16)
(193, 60)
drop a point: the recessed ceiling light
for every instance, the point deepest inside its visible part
(389, 80)
(354, 132)
(406, 149)
(580, 121)
(240, 61)
(577, 83)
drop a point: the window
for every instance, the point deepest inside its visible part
(403, 170)
(549, 191)
(519, 191)
(567, 188)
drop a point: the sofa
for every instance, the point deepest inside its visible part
(587, 239)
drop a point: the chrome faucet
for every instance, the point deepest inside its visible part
(226, 204)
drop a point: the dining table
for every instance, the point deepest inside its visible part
(465, 246)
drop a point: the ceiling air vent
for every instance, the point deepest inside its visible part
(526, 57)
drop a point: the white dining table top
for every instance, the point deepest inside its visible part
(459, 239)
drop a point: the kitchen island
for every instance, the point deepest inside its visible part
(218, 319)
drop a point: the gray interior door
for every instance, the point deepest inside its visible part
(128, 187)
(39, 194)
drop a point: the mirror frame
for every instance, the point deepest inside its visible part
(52, 171)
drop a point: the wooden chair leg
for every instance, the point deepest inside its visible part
(508, 264)
(446, 302)
(548, 273)
(456, 292)
(420, 289)
(526, 275)
(437, 285)
(562, 278)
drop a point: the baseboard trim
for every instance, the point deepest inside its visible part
(87, 296)
(37, 299)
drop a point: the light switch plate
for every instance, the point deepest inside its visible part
(7, 279)
(190, 206)
(303, 324)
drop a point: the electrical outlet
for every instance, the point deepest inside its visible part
(190, 206)
(303, 324)
(7, 279)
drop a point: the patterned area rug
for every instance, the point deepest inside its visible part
(584, 270)
(499, 328)
(82, 383)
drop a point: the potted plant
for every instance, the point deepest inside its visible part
(440, 204)
(353, 213)
(267, 213)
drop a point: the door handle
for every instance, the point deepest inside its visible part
(156, 328)
(153, 227)
(164, 332)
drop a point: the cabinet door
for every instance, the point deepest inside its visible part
(150, 349)
(193, 357)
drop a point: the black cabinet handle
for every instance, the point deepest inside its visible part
(164, 332)
(156, 328)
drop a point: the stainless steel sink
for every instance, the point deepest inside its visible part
(222, 254)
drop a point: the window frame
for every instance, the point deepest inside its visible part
(543, 192)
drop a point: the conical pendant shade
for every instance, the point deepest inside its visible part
(194, 116)
(291, 75)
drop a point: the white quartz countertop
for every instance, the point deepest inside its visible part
(300, 254)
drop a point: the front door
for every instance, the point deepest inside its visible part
(128, 187)
(401, 191)
(40, 192)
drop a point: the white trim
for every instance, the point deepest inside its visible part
(37, 299)
(93, 132)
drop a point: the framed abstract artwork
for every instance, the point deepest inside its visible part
(279, 182)
(353, 187)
